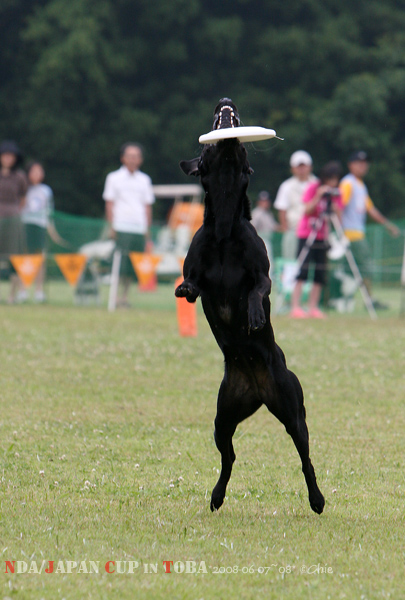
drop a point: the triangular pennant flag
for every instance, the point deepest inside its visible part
(145, 268)
(27, 266)
(72, 266)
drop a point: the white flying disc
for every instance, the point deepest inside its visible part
(243, 134)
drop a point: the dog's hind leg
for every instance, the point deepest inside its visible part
(299, 432)
(223, 439)
(230, 412)
(291, 412)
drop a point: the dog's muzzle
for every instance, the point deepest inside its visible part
(226, 115)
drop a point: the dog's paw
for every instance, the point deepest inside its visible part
(181, 291)
(217, 500)
(317, 502)
(188, 291)
(256, 318)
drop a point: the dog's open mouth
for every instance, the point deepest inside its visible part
(226, 115)
(226, 118)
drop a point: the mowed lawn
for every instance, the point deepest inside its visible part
(108, 455)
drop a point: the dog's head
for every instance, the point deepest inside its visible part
(225, 116)
(224, 171)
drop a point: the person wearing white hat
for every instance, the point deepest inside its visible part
(289, 201)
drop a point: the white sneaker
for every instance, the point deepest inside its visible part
(22, 296)
(39, 297)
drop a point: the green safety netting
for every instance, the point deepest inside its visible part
(387, 251)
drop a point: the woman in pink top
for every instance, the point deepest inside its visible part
(318, 199)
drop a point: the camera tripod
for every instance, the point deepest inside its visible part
(329, 217)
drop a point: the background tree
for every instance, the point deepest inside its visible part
(81, 77)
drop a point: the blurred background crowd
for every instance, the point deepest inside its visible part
(79, 78)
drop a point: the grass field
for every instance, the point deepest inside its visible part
(108, 455)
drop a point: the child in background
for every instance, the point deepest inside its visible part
(36, 217)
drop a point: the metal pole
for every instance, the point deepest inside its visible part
(402, 307)
(115, 278)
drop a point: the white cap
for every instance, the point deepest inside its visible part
(300, 157)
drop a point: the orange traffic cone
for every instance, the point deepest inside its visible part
(186, 315)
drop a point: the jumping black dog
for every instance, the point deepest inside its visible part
(227, 265)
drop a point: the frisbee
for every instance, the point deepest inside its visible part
(243, 134)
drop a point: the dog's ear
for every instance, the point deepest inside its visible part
(191, 167)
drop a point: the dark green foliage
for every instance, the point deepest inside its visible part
(80, 77)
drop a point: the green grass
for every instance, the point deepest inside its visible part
(108, 454)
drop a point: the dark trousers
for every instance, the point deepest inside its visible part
(316, 256)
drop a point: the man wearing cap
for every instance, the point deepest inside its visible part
(13, 187)
(357, 205)
(289, 201)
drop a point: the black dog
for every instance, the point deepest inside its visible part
(227, 266)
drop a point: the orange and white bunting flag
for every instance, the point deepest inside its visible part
(72, 266)
(145, 268)
(27, 266)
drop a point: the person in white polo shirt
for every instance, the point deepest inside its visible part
(128, 196)
(288, 201)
